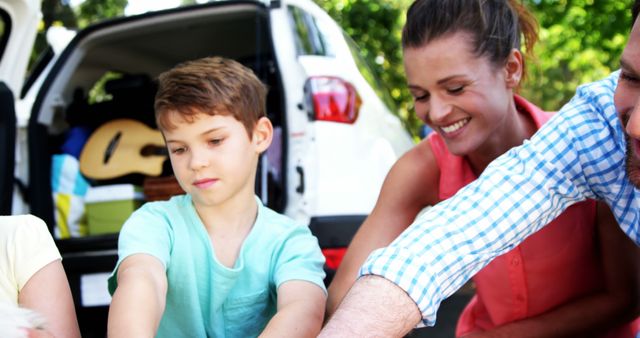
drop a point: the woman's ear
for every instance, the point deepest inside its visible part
(513, 69)
(263, 134)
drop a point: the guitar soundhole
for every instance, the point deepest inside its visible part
(151, 150)
(111, 147)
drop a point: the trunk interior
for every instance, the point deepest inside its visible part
(109, 74)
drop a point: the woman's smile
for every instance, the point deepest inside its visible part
(452, 128)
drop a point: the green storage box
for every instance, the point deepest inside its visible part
(109, 206)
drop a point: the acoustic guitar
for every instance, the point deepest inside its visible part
(121, 147)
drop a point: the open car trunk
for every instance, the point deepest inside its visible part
(107, 73)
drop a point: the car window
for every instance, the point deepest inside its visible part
(36, 69)
(369, 75)
(306, 34)
(5, 30)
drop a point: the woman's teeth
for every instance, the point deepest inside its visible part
(453, 127)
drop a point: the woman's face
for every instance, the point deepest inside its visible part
(463, 97)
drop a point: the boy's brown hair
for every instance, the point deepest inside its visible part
(212, 85)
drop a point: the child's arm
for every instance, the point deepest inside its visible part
(301, 306)
(139, 300)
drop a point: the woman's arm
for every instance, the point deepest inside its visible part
(617, 304)
(47, 292)
(139, 299)
(301, 307)
(410, 185)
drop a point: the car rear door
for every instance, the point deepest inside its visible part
(18, 25)
(341, 136)
(288, 46)
(20, 20)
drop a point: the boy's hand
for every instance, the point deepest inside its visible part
(139, 300)
(301, 307)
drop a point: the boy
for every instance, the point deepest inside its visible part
(215, 262)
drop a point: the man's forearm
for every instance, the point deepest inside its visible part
(374, 307)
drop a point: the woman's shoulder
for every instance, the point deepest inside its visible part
(419, 158)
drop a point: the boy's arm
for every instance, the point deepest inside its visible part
(300, 313)
(139, 300)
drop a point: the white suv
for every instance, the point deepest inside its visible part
(337, 137)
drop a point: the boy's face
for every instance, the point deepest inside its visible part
(213, 158)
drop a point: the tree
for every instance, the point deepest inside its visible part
(580, 41)
(54, 12)
(91, 11)
(58, 12)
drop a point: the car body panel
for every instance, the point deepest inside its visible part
(24, 16)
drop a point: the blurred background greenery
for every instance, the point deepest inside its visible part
(580, 41)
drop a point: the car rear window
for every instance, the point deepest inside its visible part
(309, 40)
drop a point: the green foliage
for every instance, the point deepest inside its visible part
(98, 92)
(91, 11)
(58, 12)
(580, 41)
(54, 12)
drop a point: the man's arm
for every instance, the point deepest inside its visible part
(374, 307)
(300, 310)
(596, 313)
(139, 299)
(576, 155)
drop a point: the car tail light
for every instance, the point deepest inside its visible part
(333, 257)
(332, 99)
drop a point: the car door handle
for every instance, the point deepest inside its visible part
(300, 188)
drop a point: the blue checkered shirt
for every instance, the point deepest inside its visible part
(578, 154)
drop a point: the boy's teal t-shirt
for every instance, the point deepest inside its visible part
(205, 298)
